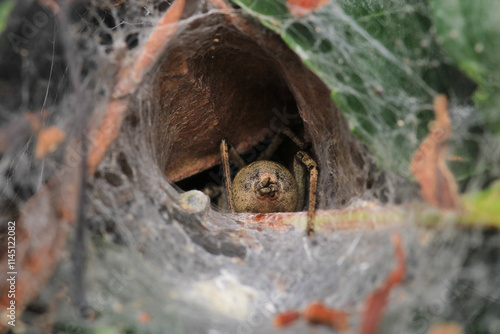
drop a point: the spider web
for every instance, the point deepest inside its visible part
(153, 268)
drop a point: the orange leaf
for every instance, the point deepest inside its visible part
(301, 8)
(144, 317)
(48, 140)
(437, 183)
(377, 301)
(34, 120)
(317, 313)
(287, 318)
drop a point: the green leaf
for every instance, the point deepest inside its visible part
(5, 9)
(470, 34)
(483, 208)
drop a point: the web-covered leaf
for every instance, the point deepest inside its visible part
(383, 65)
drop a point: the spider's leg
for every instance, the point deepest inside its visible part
(227, 173)
(289, 133)
(213, 191)
(313, 184)
(299, 172)
(236, 158)
(271, 148)
(217, 194)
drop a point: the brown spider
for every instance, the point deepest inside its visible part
(266, 186)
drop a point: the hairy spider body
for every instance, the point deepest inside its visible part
(265, 186)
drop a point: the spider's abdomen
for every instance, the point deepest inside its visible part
(264, 186)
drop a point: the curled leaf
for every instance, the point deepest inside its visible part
(377, 301)
(317, 313)
(437, 183)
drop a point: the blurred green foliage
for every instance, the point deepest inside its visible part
(5, 9)
(483, 207)
(469, 31)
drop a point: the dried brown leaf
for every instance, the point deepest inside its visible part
(128, 79)
(377, 301)
(317, 313)
(437, 183)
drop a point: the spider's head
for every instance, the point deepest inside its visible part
(264, 186)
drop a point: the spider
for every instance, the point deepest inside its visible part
(266, 186)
